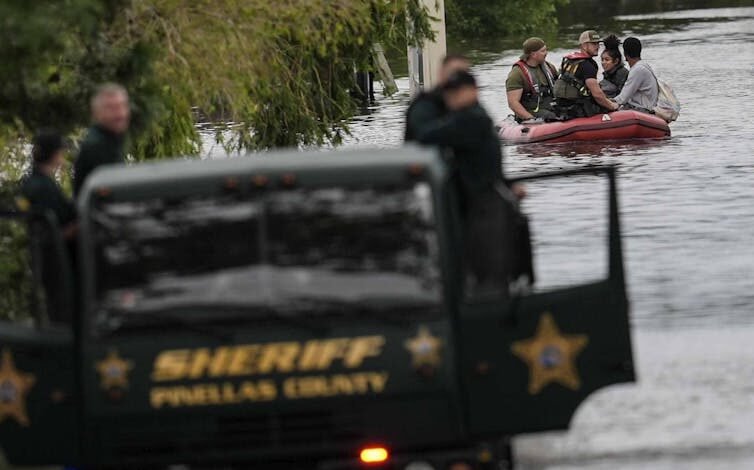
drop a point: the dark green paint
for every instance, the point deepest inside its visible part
(457, 407)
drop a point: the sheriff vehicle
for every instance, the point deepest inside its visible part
(292, 310)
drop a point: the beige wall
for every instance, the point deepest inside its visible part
(424, 64)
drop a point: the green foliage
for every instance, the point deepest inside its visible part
(269, 73)
(501, 18)
(15, 274)
(14, 255)
(54, 53)
(281, 70)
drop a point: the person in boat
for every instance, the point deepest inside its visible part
(641, 90)
(428, 106)
(40, 192)
(614, 73)
(577, 90)
(493, 252)
(530, 83)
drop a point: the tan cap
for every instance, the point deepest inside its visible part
(589, 36)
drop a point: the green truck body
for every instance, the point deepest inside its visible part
(288, 310)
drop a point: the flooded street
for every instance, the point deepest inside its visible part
(688, 221)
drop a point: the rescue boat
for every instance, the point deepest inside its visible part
(617, 125)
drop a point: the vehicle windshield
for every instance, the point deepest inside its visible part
(287, 251)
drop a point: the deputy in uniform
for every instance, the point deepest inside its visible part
(104, 141)
(40, 189)
(41, 193)
(429, 105)
(577, 90)
(489, 206)
(530, 83)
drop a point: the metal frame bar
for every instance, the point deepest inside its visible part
(616, 269)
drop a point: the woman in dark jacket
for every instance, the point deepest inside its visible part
(614, 72)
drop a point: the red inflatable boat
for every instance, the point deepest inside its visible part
(617, 125)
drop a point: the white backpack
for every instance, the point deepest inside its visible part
(668, 106)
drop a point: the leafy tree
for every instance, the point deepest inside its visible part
(267, 73)
(280, 71)
(479, 18)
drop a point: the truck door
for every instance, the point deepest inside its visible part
(528, 361)
(37, 413)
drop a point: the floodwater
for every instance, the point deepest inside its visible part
(688, 224)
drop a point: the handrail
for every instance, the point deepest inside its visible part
(606, 169)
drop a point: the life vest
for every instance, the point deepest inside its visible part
(532, 95)
(534, 86)
(568, 85)
(612, 82)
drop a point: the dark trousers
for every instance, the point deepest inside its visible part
(497, 249)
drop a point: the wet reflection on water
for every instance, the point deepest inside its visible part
(688, 222)
(687, 213)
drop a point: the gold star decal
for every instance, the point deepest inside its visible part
(550, 355)
(424, 349)
(14, 385)
(23, 204)
(113, 371)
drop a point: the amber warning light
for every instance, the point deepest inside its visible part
(373, 455)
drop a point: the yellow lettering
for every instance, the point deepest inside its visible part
(313, 386)
(360, 383)
(242, 362)
(159, 396)
(253, 359)
(248, 391)
(290, 389)
(319, 386)
(228, 393)
(377, 381)
(205, 394)
(361, 348)
(308, 358)
(331, 349)
(171, 365)
(278, 356)
(268, 390)
(340, 385)
(212, 394)
(205, 363)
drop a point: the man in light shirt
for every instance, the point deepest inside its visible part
(640, 90)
